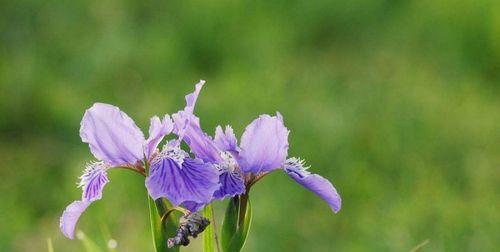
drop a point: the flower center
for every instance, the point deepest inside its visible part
(297, 166)
(173, 152)
(228, 162)
(92, 171)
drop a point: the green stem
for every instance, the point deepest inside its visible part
(243, 208)
(50, 247)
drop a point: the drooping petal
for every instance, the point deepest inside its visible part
(231, 184)
(313, 182)
(157, 130)
(192, 97)
(226, 140)
(198, 141)
(193, 180)
(264, 144)
(93, 181)
(112, 135)
(70, 216)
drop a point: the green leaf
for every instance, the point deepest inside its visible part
(236, 224)
(240, 237)
(154, 216)
(230, 223)
(161, 231)
(208, 234)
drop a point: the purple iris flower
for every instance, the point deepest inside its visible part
(116, 142)
(184, 181)
(263, 149)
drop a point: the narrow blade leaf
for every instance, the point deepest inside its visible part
(161, 231)
(158, 239)
(230, 223)
(239, 238)
(208, 234)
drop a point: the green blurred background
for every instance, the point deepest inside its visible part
(396, 102)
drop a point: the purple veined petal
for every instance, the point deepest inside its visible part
(157, 130)
(93, 181)
(313, 182)
(112, 135)
(200, 144)
(231, 184)
(193, 206)
(70, 216)
(264, 144)
(195, 181)
(321, 187)
(192, 97)
(226, 140)
(230, 179)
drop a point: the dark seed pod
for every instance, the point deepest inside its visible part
(190, 225)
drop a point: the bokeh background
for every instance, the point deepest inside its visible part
(396, 102)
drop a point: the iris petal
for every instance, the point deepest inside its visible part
(192, 97)
(200, 144)
(193, 180)
(112, 135)
(318, 185)
(70, 216)
(187, 127)
(226, 140)
(93, 181)
(264, 144)
(157, 130)
(231, 184)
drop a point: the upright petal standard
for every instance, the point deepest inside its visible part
(112, 135)
(226, 140)
(264, 144)
(157, 130)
